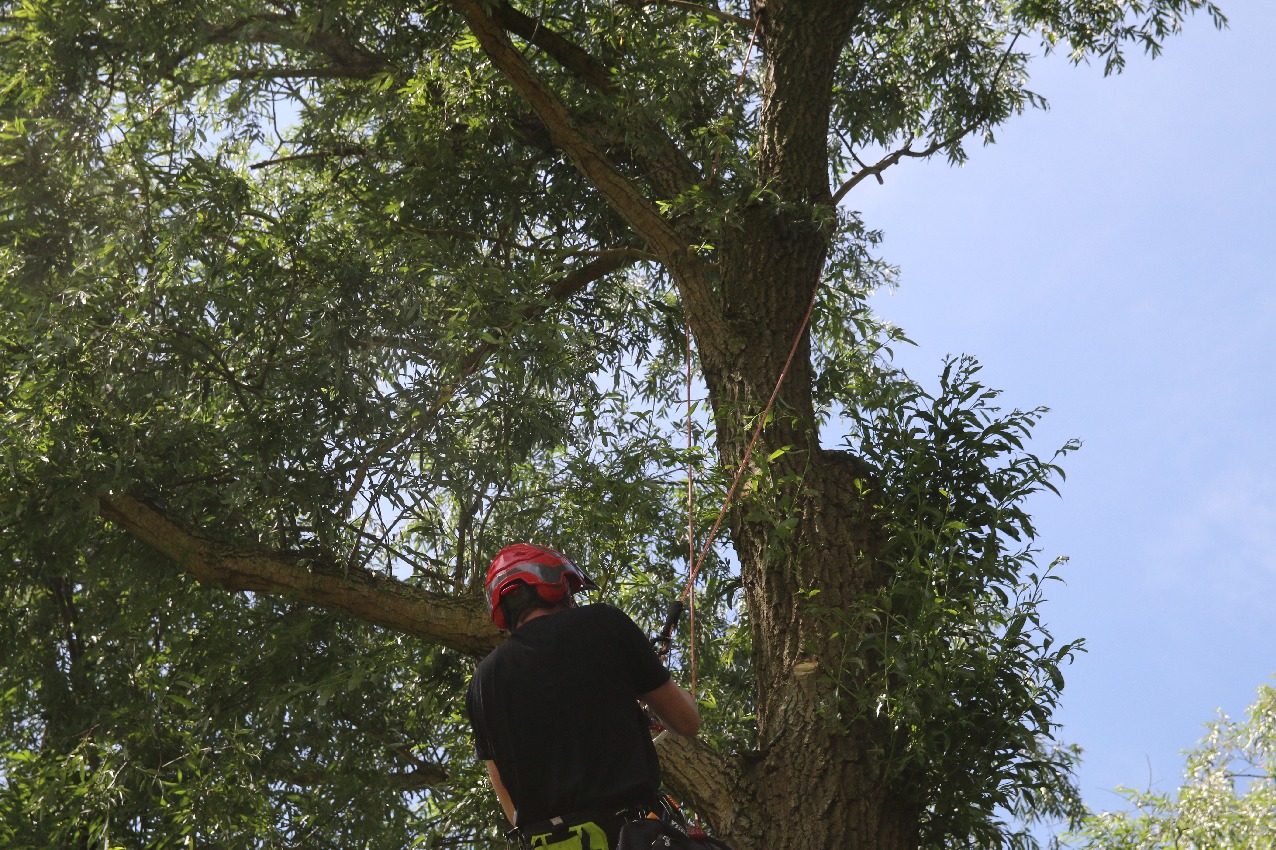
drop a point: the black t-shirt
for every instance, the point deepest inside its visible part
(554, 706)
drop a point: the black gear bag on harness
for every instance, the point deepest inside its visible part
(666, 829)
(653, 834)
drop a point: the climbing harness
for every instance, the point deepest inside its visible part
(666, 829)
(592, 829)
(659, 825)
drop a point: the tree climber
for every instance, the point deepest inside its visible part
(555, 711)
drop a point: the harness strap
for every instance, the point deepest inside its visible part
(636, 811)
(561, 826)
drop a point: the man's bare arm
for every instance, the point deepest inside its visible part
(675, 707)
(501, 794)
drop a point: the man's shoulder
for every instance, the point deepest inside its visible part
(598, 618)
(601, 610)
(490, 661)
(601, 615)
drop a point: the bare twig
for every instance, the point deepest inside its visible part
(933, 148)
(892, 158)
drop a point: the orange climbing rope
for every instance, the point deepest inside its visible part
(696, 562)
(691, 520)
(688, 594)
(748, 452)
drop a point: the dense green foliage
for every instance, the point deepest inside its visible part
(1227, 800)
(968, 686)
(313, 280)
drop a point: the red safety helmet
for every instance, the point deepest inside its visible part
(549, 573)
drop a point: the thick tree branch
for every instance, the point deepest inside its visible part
(697, 773)
(563, 51)
(693, 769)
(802, 41)
(662, 160)
(456, 623)
(672, 249)
(568, 136)
(283, 31)
(572, 139)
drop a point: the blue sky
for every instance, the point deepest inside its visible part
(1112, 258)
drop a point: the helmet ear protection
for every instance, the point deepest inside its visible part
(548, 573)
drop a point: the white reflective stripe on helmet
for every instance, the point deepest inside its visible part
(547, 573)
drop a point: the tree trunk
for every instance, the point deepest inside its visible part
(816, 782)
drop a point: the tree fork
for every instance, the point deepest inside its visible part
(672, 248)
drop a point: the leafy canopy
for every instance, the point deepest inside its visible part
(311, 278)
